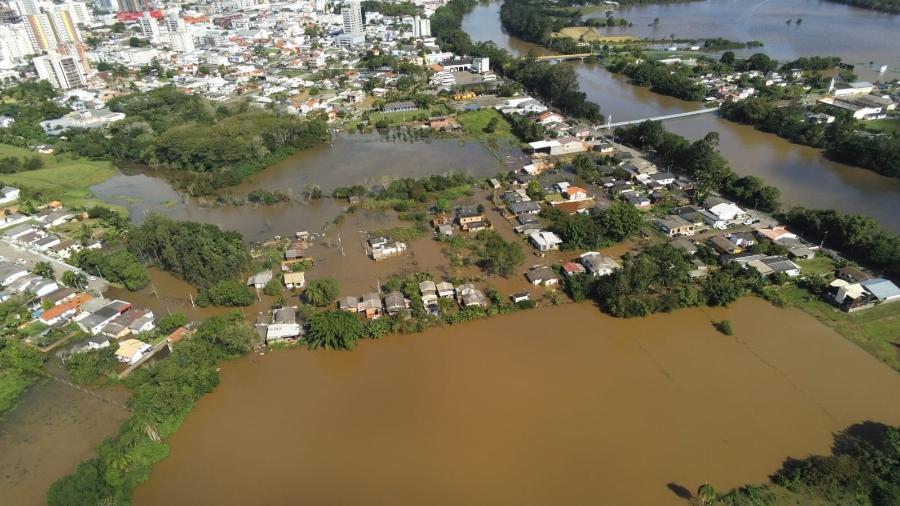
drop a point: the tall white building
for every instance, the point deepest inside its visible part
(150, 27)
(354, 29)
(179, 35)
(15, 45)
(421, 27)
(63, 71)
(81, 12)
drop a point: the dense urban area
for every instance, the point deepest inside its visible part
(502, 188)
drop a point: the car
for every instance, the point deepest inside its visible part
(722, 227)
(92, 278)
(751, 221)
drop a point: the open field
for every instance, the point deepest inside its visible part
(876, 330)
(588, 34)
(887, 125)
(474, 122)
(67, 180)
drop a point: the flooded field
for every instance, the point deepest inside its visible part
(559, 405)
(53, 429)
(366, 159)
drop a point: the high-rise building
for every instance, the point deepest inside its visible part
(354, 29)
(150, 27)
(134, 5)
(14, 46)
(179, 35)
(63, 71)
(52, 27)
(80, 12)
(421, 27)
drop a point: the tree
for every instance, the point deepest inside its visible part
(227, 292)
(322, 292)
(620, 221)
(720, 288)
(337, 330)
(727, 58)
(44, 269)
(167, 324)
(761, 62)
(86, 366)
(706, 494)
(273, 287)
(496, 256)
(75, 279)
(229, 334)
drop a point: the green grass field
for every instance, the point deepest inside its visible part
(473, 123)
(876, 330)
(65, 179)
(887, 125)
(817, 266)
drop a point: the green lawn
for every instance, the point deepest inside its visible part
(474, 122)
(876, 330)
(887, 125)
(817, 266)
(12, 385)
(62, 178)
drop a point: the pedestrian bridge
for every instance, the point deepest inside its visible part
(663, 118)
(563, 57)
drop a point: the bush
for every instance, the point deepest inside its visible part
(337, 330)
(85, 367)
(322, 292)
(724, 327)
(229, 293)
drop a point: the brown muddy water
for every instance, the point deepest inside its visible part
(53, 429)
(803, 174)
(560, 405)
(366, 159)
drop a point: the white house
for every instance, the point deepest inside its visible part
(597, 264)
(726, 211)
(545, 240)
(131, 351)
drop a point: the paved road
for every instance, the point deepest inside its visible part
(27, 259)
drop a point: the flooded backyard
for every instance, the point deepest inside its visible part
(559, 405)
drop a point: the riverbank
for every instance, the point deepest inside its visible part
(487, 392)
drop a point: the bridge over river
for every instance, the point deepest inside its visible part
(707, 110)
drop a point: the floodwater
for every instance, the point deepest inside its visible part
(366, 159)
(50, 432)
(560, 405)
(803, 174)
(857, 35)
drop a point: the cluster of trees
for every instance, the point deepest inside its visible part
(85, 367)
(892, 6)
(611, 225)
(390, 9)
(495, 255)
(227, 293)
(658, 279)
(863, 468)
(19, 363)
(879, 153)
(701, 161)
(556, 84)
(161, 398)
(422, 189)
(12, 164)
(525, 128)
(536, 21)
(266, 197)
(676, 81)
(813, 63)
(118, 266)
(30, 103)
(719, 43)
(857, 236)
(215, 146)
(200, 254)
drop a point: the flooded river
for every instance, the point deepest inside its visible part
(53, 429)
(560, 405)
(804, 176)
(858, 36)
